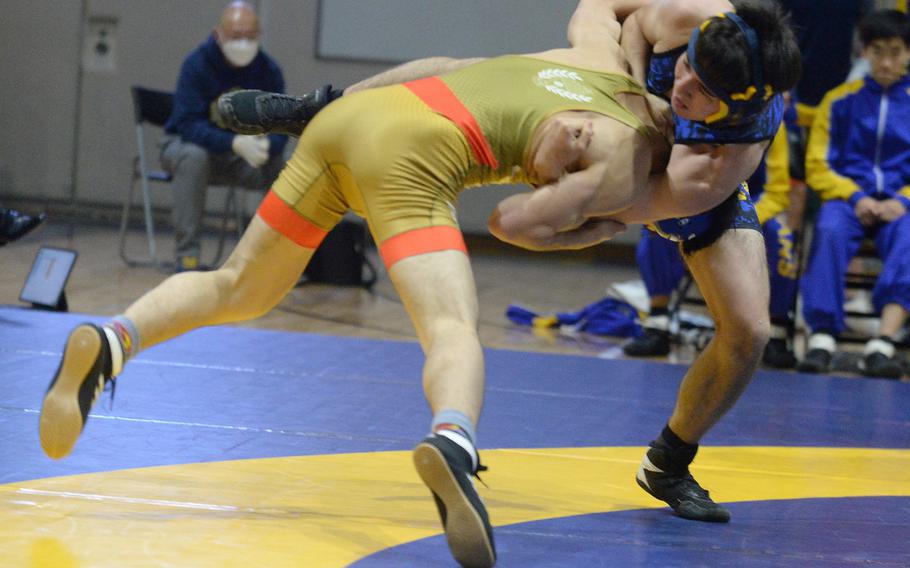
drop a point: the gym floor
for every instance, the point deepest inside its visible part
(286, 441)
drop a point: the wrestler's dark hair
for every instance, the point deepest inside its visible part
(722, 49)
(884, 24)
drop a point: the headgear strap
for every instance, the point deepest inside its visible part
(744, 104)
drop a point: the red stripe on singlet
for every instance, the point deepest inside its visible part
(420, 241)
(287, 221)
(437, 95)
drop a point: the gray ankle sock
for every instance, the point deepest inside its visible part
(127, 337)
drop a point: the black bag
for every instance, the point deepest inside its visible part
(341, 258)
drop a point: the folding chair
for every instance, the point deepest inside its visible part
(154, 108)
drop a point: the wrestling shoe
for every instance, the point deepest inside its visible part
(653, 343)
(446, 469)
(84, 371)
(677, 488)
(15, 224)
(878, 364)
(777, 355)
(815, 361)
(261, 112)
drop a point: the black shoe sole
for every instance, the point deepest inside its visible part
(464, 528)
(61, 419)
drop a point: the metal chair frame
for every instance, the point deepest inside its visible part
(154, 107)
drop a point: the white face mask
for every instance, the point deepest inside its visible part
(240, 52)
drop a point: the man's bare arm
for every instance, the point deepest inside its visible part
(697, 179)
(411, 71)
(637, 45)
(593, 25)
(554, 216)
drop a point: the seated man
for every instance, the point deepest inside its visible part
(858, 161)
(662, 266)
(15, 224)
(198, 151)
(719, 141)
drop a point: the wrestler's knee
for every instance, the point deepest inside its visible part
(744, 339)
(240, 295)
(446, 331)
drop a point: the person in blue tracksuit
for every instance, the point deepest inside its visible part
(662, 267)
(858, 161)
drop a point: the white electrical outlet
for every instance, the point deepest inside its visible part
(100, 44)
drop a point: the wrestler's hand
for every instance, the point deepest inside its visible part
(867, 210)
(891, 210)
(562, 145)
(661, 113)
(592, 232)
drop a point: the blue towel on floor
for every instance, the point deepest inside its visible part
(608, 316)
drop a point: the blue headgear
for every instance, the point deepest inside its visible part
(736, 106)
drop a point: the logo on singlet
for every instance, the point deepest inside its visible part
(567, 84)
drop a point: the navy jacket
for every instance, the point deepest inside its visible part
(204, 76)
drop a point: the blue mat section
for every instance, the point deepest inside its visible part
(231, 393)
(804, 533)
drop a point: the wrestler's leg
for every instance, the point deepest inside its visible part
(732, 275)
(260, 271)
(438, 292)
(733, 278)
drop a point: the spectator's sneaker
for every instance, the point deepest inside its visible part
(15, 224)
(653, 343)
(678, 489)
(880, 365)
(189, 263)
(261, 112)
(777, 355)
(446, 468)
(815, 361)
(82, 375)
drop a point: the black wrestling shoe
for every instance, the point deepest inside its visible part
(446, 468)
(815, 361)
(15, 224)
(653, 343)
(777, 355)
(82, 375)
(678, 489)
(261, 112)
(880, 365)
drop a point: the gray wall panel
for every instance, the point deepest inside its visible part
(409, 29)
(39, 64)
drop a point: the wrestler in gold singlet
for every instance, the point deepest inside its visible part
(400, 155)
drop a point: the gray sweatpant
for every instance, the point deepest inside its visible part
(194, 169)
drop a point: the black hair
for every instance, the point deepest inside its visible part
(884, 24)
(723, 52)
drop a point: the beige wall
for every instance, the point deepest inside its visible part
(38, 63)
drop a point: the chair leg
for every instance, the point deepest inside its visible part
(124, 221)
(149, 221)
(230, 203)
(679, 297)
(240, 213)
(125, 215)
